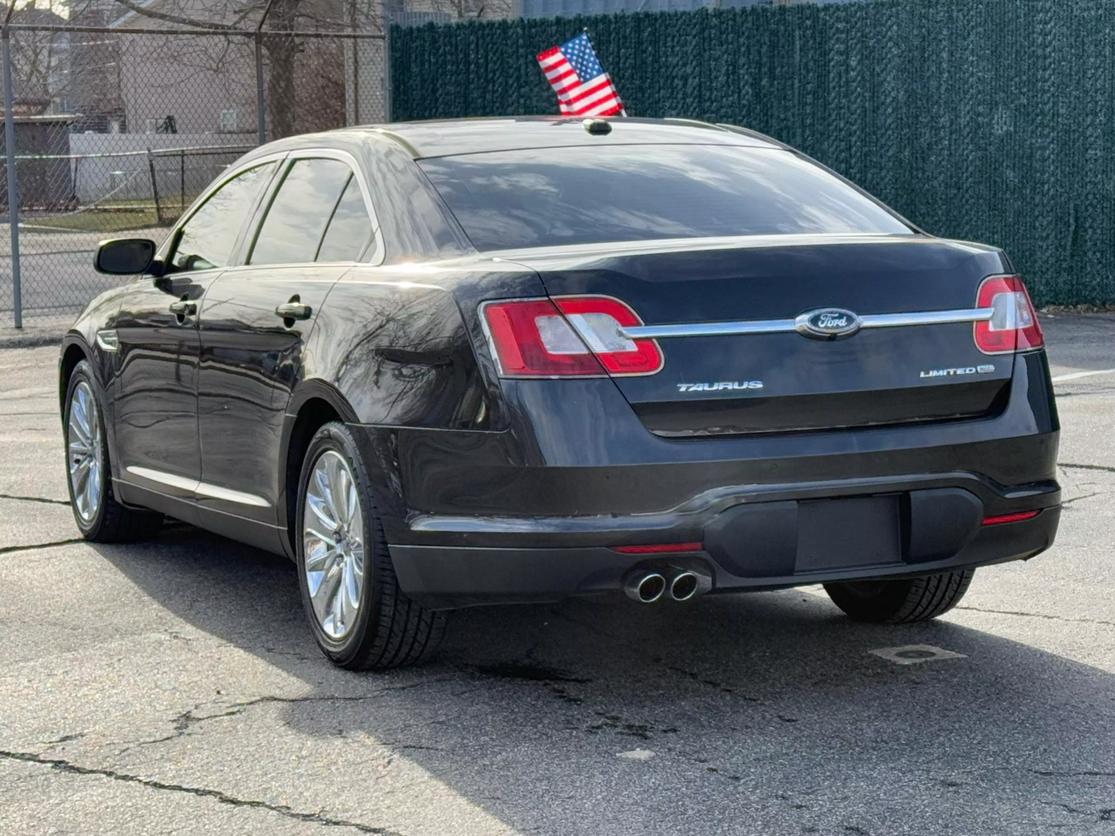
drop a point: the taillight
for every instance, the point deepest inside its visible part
(567, 336)
(660, 548)
(1017, 516)
(1014, 322)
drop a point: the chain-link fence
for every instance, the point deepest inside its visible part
(113, 128)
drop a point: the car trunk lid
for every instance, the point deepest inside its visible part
(723, 314)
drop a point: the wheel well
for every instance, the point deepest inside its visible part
(72, 356)
(312, 416)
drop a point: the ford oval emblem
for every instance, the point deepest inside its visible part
(828, 323)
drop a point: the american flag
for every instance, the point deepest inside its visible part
(582, 86)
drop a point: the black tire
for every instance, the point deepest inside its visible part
(112, 522)
(390, 630)
(901, 601)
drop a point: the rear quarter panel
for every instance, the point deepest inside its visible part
(397, 345)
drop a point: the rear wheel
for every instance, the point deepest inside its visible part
(901, 601)
(359, 616)
(98, 515)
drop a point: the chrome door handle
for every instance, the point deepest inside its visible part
(183, 308)
(294, 310)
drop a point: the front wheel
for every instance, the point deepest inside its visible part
(901, 601)
(359, 616)
(99, 516)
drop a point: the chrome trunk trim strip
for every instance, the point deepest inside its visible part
(781, 326)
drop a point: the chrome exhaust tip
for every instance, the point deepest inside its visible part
(684, 586)
(688, 582)
(645, 587)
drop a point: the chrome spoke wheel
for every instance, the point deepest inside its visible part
(85, 457)
(333, 544)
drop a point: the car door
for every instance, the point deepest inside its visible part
(256, 321)
(155, 390)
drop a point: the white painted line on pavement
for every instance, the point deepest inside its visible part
(1062, 378)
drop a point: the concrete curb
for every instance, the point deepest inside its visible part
(33, 336)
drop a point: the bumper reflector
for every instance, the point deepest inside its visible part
(1017, 516)
(659, 548)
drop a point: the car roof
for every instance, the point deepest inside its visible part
(446, 137)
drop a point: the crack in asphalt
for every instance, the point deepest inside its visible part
(1101, 467)
(712, 683)
(65, 766)
(66, 738)
(1088, 393)
(658, 660)
(1103, 814)
(1046, 616)
(293, 654)
(1074, 773)
(187, 720)
(42, 499)
(1083, 496)
(37, 546)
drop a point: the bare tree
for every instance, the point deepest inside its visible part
(318, 101)
(71, 71)
(38, 57)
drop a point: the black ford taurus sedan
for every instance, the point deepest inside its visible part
(484, 361)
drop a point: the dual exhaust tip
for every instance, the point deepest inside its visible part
(649, 585)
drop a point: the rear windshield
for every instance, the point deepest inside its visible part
(551, 196)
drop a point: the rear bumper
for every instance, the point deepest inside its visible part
(746, 544)
(443, 576)
(533, 512)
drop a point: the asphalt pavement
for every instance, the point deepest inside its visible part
(55, 275)
(173, 686)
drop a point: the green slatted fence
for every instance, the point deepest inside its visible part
(985, 120)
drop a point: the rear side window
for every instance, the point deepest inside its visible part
(349, 229)
(208, 237)
(545, 197)
(299, 213)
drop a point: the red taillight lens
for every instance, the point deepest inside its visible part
(1014, 324)
(1017, 516)
(530, 338)
(567, 336)
(660, 548)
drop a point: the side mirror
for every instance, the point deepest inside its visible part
(124, 256)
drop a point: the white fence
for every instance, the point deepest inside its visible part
(119, 167)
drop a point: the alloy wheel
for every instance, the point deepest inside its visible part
(84, 451)
(333, 544)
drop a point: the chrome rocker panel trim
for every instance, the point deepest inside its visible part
(198, 488)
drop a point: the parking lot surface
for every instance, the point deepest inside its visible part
(55, 268)
(173, 686)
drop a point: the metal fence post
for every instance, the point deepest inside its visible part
(261, 115)
(387, 68)
(154, 186)
(13, 189)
